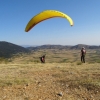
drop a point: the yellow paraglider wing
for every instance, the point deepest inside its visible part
(46, 15)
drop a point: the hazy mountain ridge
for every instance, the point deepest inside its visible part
(7, 49)
(79, 46)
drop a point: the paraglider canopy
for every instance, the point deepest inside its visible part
(47, 14)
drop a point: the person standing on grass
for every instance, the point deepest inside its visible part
(83, 53)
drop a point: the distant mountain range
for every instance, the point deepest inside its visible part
(79, 46)
(8, 49)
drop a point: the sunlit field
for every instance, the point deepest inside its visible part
(55, 56)
(62, 77)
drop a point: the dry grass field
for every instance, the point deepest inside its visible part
(62, 77)
(55, 56)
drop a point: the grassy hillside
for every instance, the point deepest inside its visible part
(56, 81)
(56, 56)
(62, 77)
(8, 49)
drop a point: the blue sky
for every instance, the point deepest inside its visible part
(15, 14)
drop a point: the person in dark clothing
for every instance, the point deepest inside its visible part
(83, 53)
(42, 59)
